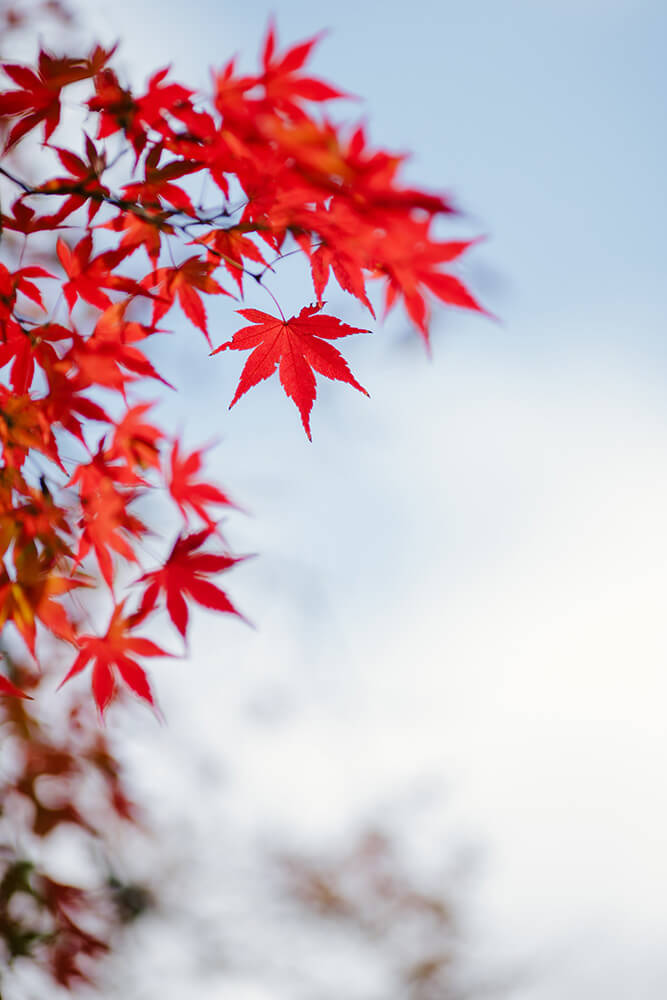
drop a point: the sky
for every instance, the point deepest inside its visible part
(461, 583)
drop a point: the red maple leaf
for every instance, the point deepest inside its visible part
(120, 109)
(38, 100)
(185, 282)
(110, 653)
(347, 270)
(283, 86)
(35, 517)
(83, 183)
(106, 523)
(65, 402)
(16, 281)
(25, 220)
(136, 442)
(410, 262)
(141, 230)
(30, 596)
(230, 246)
(26, 348)
(115, 106)
(373, 183)
(88, 275)
(298, 348)
(10, 285)
(110, 347)
(182, 575)
(157, 186)
(190, 492)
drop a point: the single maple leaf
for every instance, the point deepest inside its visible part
(230, 246)
(88, 275)
(347, 270)
(111, 653)
(190, 492)
(136, 116)
(372, 183)
(157, 186)
(101, 356)
(106, 490)
(409, 262)
(297, 347)
(185, 282)
(65, 403)
(116, 107)
(25, 220)
(182, 575)
(25, 348)
(83, 183)
(15, 338)
(284, 88)
(12, 282)
(162, 99)
(141, 230)
(136, 442)
(38, 100)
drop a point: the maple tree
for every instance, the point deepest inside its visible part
(104, 242)
(107, 244)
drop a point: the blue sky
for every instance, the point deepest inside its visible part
(463, 579)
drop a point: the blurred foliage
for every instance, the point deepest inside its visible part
(62, 806)
(369, 889)
(17, 16)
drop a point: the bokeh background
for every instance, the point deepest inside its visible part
(460, 592)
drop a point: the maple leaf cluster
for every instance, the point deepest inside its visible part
(130, 244)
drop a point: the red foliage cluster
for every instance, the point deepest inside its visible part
(132, 246)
